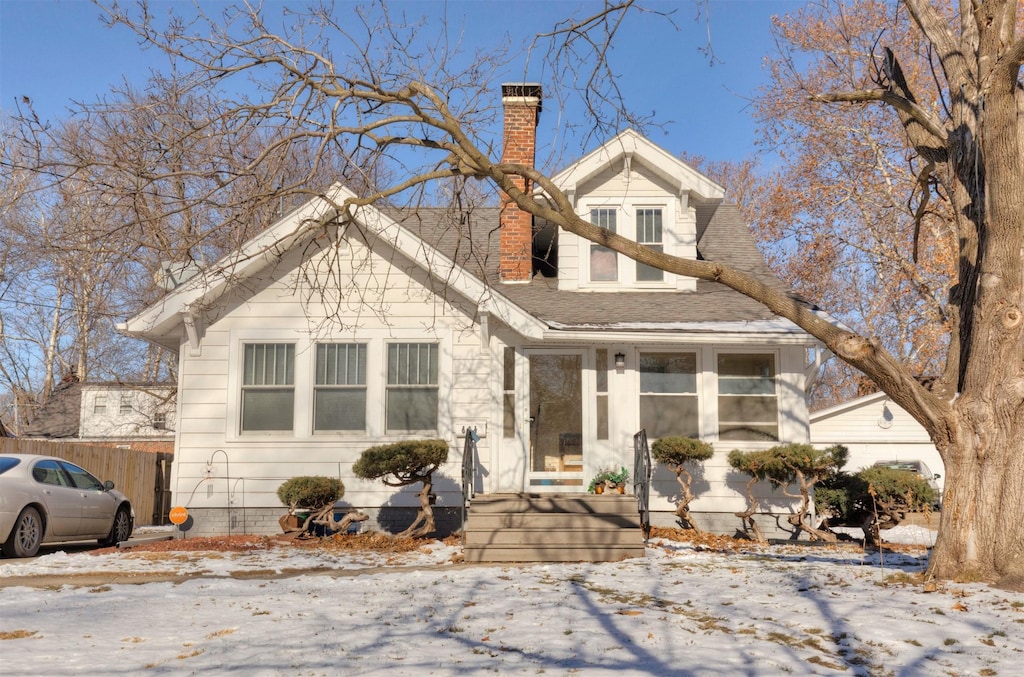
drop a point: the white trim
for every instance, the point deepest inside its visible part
(677, 173)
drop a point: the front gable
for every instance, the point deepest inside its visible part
(640, 191)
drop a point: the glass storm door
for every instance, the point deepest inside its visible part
(556, 421)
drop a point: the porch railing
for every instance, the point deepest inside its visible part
(468, 473)
(642, 480)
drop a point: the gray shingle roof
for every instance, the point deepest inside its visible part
(471, 239)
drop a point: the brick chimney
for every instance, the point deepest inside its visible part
(521, 102)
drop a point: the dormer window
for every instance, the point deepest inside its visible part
(604, 263)
(646, 224)
(649, 233)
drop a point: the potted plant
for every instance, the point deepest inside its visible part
(606, 478)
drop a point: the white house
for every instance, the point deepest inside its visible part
(321, 337)
(139, 415)
(874, 428)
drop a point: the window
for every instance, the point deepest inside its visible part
(126, 404)
(508, 429)
(604, 263)
(649, 234)
(601, 386)
(339, 397)
(411, 399)
(160, 421)
(668, 394)
(268, 387)
(99, 404)
(748, 406)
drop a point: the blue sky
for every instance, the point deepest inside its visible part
(56, 51)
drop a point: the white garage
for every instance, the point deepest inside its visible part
(875, 428)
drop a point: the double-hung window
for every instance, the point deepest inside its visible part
(748, 407)
(668, 394)
(339, 400)
(125, 406)
(412, 389)
(649, 234)
(268, 387)
(604, 262)
(99, 403)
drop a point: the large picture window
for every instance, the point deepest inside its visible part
(748, 406)
(339, 396)
(668, 394)
(268, 387)
(411, 401)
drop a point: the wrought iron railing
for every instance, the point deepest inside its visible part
(642, 480)
(468, 474)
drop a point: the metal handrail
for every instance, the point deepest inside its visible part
(468, 473)
(642, 480)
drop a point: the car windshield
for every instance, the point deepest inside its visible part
(902, 465)
(8, 462)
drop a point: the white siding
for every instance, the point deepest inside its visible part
(875, 429)
(216, 466)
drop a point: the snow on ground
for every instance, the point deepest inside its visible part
(682, 610)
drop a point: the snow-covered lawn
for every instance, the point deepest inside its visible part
(681, 610)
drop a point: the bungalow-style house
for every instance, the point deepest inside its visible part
(127, 415)
(319, 338)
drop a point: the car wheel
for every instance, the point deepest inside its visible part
(26, 536)
(121, 530)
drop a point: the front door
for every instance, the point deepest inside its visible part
(556, 421)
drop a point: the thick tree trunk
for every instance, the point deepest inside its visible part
(981, 532)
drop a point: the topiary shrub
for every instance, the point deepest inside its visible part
(310, 491)
(402, 463)
(788, 464)
(674, 452)
(315, 496)
(887, 495)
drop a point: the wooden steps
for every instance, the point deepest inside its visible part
(553, 528)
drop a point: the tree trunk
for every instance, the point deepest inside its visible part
(423, 525)
(983, 509)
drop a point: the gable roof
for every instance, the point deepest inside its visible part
(461, 249)
(628, 147)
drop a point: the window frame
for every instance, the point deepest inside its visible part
(243, 388)
(317, 387)
(390, 387)
(776, 395)
(627, 270)
(695, 395)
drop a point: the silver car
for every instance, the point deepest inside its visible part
(49, 500)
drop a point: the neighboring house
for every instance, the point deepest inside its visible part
(127, 415)
(317, 340)
(874, 428)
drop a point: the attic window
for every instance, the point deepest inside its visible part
(604, 262)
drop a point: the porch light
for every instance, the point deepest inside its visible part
(620, 361)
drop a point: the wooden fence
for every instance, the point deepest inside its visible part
(143, 476)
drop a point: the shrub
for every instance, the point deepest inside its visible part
(788, 464)
(674, 452)
(310, 491)
(407, 461)
(402, 463)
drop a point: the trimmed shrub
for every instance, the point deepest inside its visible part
(407, 461)
(311, 491)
